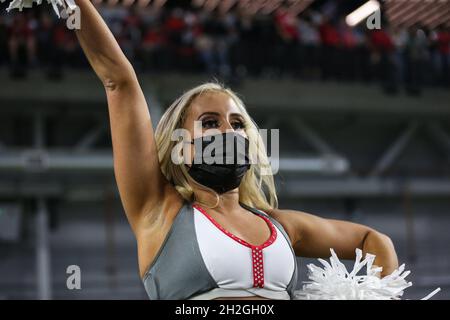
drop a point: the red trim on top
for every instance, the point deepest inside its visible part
(257, 251)
(268, 242)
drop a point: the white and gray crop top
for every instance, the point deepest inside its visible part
(199, 259)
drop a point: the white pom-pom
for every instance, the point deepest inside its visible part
(56, 4)
(334, 282)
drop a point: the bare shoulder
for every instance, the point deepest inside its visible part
(296, 223)
(290, 221)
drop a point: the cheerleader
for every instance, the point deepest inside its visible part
(207, 230)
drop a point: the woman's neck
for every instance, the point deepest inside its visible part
(227, 202)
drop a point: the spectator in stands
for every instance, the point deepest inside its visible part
(247, 60)
(400, 39)
(50, 55)
(3, 41)
(330, 40)
(154, 49)
(383, 58)
(346, 51)
(443, 44)
(204, 44)
(309, 39)
(187, 53)
(129, 33)
(21, 39)
(416, 55)
(174, 26)
(361, 56)
(215, 42)
(287, 26)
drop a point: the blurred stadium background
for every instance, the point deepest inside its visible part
(364, 119)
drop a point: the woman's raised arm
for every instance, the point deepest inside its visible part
(142, 186)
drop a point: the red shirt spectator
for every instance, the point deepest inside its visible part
(60, 35)
(381, 40)
(154, 37)
(20, 28)
(174, 23)
(287, 24)
(347, 36)
(443, 41)
(329, 34)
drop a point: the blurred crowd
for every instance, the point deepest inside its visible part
(234, 45)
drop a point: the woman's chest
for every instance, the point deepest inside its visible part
(233, 262)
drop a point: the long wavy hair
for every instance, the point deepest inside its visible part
(257, 188)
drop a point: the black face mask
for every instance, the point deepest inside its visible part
(220, 161)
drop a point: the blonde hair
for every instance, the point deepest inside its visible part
(256, 189)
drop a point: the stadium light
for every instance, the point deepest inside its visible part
(362, 12)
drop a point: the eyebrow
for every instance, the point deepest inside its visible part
(218, 114)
